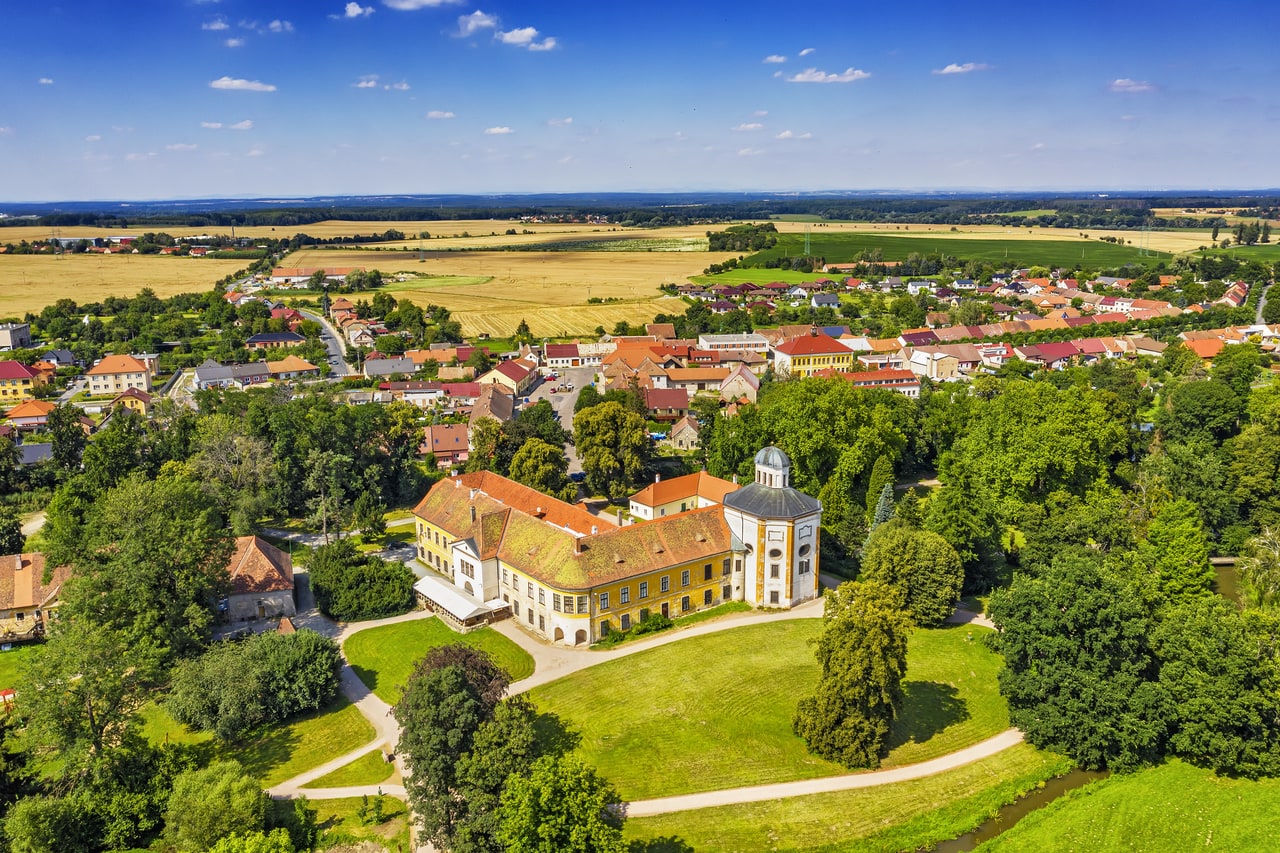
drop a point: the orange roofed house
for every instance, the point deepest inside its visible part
(261, 581)
(26, 599)
(116, 374)
(501, 549)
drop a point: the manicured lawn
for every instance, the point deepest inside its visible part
(1171, 807)
(340, 823)
(715, 711)
(279, 751)
(902, 816)
(369, 769)
(11, 663)
(384, 657)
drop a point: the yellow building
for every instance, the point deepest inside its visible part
(502, 549)
(17, 381)
(808, 354)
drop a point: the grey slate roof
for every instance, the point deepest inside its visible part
(765, 502)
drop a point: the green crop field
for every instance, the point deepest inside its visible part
(1171, 807)
(1269, 252)
(839, 248)
(715, 711)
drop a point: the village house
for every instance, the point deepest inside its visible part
(808, 354)
(15, 336)
(515, 376)
(27, 601)
(666, 404)
(292, 367)
(261, 582)
(117, 373)
(30, 414)
(684, 434)
(134, 400)
(274, 340)
(448, 444)
(17, 381)
(679, 494)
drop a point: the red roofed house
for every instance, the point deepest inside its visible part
(662, 498)
(448, 443)
(560, 356)
(16, 381)
(903, 381)
(808, 354)
(512, 375)
(25, 598)
(666, 404)
(261, 581)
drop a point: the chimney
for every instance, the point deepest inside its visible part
(735, 479)
(594, 530)
(473, 515)
(577, 545)
(473, 494)
(620, 520)
(657, 478)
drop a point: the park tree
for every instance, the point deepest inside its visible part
(450, 695)
(881, 476)
(503, 747)
(1238, 367)
(236, 467)
(486, 436)
(962, 514)
(1175, 554)
(1260, 569)
(67, 436)
(11, 538)
(211, 803)
(1080, 675)
(561, 806)
(921, 565)
(275, 841)
(862, 652)
(1206, 409)
(326, 484)
(367, 514)
(541, 466)
(350, 586)
(614, 447)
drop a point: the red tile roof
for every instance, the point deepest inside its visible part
(811, 345)
(257, 566)
(15, 370)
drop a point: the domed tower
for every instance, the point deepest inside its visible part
(779, 530)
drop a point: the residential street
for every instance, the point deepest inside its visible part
(564, 402)
(332, 342)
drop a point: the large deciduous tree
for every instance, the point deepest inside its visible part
(921, 564)
(561, 806)
(863, 654)
(541, 466)
(211, 803)
(614, 448)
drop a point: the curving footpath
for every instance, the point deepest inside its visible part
(554, 662)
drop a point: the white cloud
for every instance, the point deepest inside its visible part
(93, 137)
(1039, 146)
(749, 152)
(216, 25)
(962, 68)
(813, 75)
(753, 125)
(439, 114)
(211, 125)
(548, 43)
(402, 86)
(135, 157)
(807, 51)
(475, 22)
(1124, 84)
(234, 42)
(354, 10)
(368, 81)
(280, 27)
(254, 152)
(525, 37)
(46, 81)
(6, 131)
(774, 58)
(247, 124)
(759, 113)
(497, 131)
(181, 146)
(412, 5)
(788, 134)
(560, 122)
(237, 84)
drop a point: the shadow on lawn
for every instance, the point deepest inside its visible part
(665, 844)
(265, 750)
(929, 708)
(553, 736)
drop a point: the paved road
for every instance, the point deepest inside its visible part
(333, 343)
(564, 402)
(1262, 303)
(73, 389)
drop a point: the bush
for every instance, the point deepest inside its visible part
(235, 687)
(350, 587)
(209, 804)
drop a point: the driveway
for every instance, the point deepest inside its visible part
(564, 402)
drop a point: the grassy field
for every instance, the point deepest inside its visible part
(369, 769)
(384, 657)
(279, 751)
(903, 816)
(1269, 252)
(341, 826)
(1171, 807)
(11, 663)
(30, 282)
(715, 711)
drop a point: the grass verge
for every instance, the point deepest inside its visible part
(341, 825)
(901, 816)
(718, 708)
(384, 657)
(369, 769)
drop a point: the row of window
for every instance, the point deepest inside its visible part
(686, 604)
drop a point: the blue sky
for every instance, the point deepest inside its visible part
(182, 98)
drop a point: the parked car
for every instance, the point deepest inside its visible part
(578, 476)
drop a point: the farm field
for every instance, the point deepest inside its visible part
(1171, 807)
(904, 816)
(729, 723)
(30, 282)
(384, 657)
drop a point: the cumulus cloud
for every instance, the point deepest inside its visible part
(788, 134)
(247, 124)
(774, 58)
(413, 5)
(216, 24)
(759, 113)
(93, 137)
(280, 27)
(211, 125)
(751, 125)
(354, 10)
(560, 122)
(1124, 84)
(402, 86)
(181, 146)
(813, 75)
(136, 157)
(6, 131)
(46, 81)
(368, 81)
(238, 84)
(749, 152)
(526, 37)
(439, 114)
(807, 51)
(254, 152)
(962, 68)
(234, 42)
(497, 131)
(475, 22)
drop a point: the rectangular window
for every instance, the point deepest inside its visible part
(706, 572)
(504, 577)
(726, 592)
(528, 588)
(644, 589)
(604, 628)
(626, 621)
(804, 567)
(773, 597)
(542, 595)
(604, 601)
(568, 604)
(530, 614)
(773, 570)
(515, 582)
(737, 565)
(684, 578)
(542, 623)
(644, 613)
(582, 604)
(515, 605)
(666, 583)
(555, 601)
(726, 566)
(706, 596)
(624, 595)
(685, 605)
